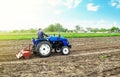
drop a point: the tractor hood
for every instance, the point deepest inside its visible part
(55, 38)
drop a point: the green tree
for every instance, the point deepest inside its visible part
(50, 28)
(15, 31)
(103, 30)
(22, 30)
(95, 30)
(114, 29)
(55, 28)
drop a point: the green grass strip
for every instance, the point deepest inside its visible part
(25, 36)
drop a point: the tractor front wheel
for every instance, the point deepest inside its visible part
(65, 50)
(44, 49)
(57, 50)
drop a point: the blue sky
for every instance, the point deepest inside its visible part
(25, 14)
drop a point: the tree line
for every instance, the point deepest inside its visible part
(95, 30)
(57, 27)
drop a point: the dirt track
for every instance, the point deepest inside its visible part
(90, 57)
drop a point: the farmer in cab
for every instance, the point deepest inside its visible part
(41, 34)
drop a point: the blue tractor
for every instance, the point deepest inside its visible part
(43, 47)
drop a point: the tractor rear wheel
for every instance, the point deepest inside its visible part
(65, 50)
(44, 49)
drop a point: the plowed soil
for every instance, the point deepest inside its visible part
(89, 57)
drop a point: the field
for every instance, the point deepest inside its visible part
(89, 57)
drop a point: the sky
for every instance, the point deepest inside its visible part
(26, 14)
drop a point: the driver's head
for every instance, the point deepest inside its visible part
(39, 29)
